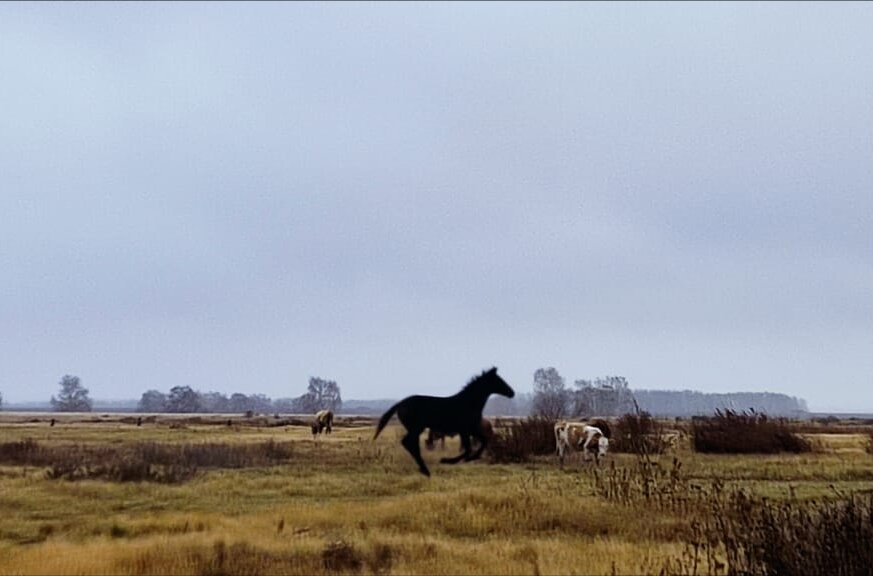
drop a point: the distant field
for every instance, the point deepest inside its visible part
(266, 498)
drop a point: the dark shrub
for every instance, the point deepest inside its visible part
(24, 452)
(521, 439)
(381, 559)
(144, 461)
(340, 556)
(731, 432)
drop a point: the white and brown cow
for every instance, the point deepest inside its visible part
(571, 436)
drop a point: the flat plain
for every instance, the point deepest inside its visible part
(263, 496)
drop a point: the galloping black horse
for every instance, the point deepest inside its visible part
(459, 414)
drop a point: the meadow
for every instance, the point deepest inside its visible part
(229, 495)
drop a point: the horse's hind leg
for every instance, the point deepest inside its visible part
(483, 442)
(465, 441)
(410, 442)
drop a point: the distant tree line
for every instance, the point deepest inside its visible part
(320, 394)
(691, 403)
(608, 396)
(612, 396)
(551, 398)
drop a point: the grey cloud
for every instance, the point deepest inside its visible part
(238, 196)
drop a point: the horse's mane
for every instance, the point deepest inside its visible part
(474, 381)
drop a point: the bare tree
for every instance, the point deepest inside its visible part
(238, 402)
(260, 403)
(73, 397)
(214, 402)
(152, 401)
(551, 397)
(183, 399)
(608, 396)
(320, 395)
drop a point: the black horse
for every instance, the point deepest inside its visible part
(459, 414)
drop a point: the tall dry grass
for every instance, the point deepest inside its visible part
(731, 530)
(348, 505)
(638, 433)
(740, 533)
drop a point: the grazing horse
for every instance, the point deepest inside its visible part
(435, 435)
(323, 422)
(459, 414)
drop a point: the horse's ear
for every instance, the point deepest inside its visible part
(493, 370)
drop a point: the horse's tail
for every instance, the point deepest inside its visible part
(383, 421)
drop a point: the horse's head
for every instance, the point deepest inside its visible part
(495, 384)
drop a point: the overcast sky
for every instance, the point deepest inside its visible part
(237, 197)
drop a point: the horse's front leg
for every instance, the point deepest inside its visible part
(465, 442)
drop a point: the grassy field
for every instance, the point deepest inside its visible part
(346, 504)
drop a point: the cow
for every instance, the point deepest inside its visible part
(578, 435)
(672, 438)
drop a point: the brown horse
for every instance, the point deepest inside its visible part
(435, 435)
